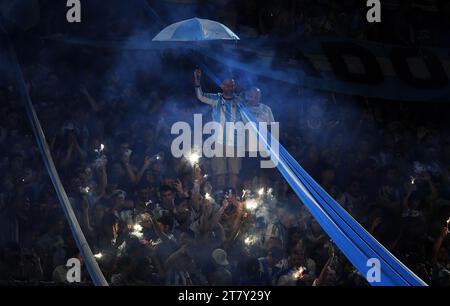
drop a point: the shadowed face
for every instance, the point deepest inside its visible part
(228, 86)
(119, 201)
(167, 197)
(296, 259)
(253, 96)
(274, 255)
(144, 194)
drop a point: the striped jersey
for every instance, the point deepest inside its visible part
(223, 111)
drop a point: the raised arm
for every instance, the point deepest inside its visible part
(210, 99)
(103, 180)
(324, 272)
(92, 102)
(410, 188)
(438, 243)
(128, 168)
(145, 165)
(216, 217)
(236, 223)
(434, 192)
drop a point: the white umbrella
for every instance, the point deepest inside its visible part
(195, 29)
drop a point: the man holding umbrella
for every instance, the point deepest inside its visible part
(224, 110)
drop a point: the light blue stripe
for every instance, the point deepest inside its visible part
(353, 240)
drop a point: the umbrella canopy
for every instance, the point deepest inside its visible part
(195, 29)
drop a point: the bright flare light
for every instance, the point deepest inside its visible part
(102, 147)
(193, 158)
(261, 191)
(98, 255)
(137, 231)
(155, 243)
(298, 273)
(249, 240)
(208, 196)
(251, 204)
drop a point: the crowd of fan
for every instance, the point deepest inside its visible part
(154, 219)
(412, 23)
(418, 22)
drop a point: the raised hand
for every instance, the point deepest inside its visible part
(330, 250)
(197, 172)
(197, 76)
(225, 203)
(178, 186)
(125, 159)
(147, 161)
(444, 231)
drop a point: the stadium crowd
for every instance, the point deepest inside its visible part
(154, 219)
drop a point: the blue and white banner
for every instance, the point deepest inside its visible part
(373, 261)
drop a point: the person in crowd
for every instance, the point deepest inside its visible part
(151, 219)
(224, 112)
(219, 274)
(262, 112)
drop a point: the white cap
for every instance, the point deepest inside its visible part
(220, 257)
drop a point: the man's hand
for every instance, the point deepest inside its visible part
(330, 251)
(410, 188)
(147, 162)
(104, 162)
(225, 204)
(444, 232)
(197, 172)
(208, 187)
(125, 159)
(84, 205)
(197, 76)
(240, 208)
(178, 186)
(207, 207)
(148, 244)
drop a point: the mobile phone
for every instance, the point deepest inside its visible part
(155, 157)
(128, 152)
(85, 190)
(229, 193)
